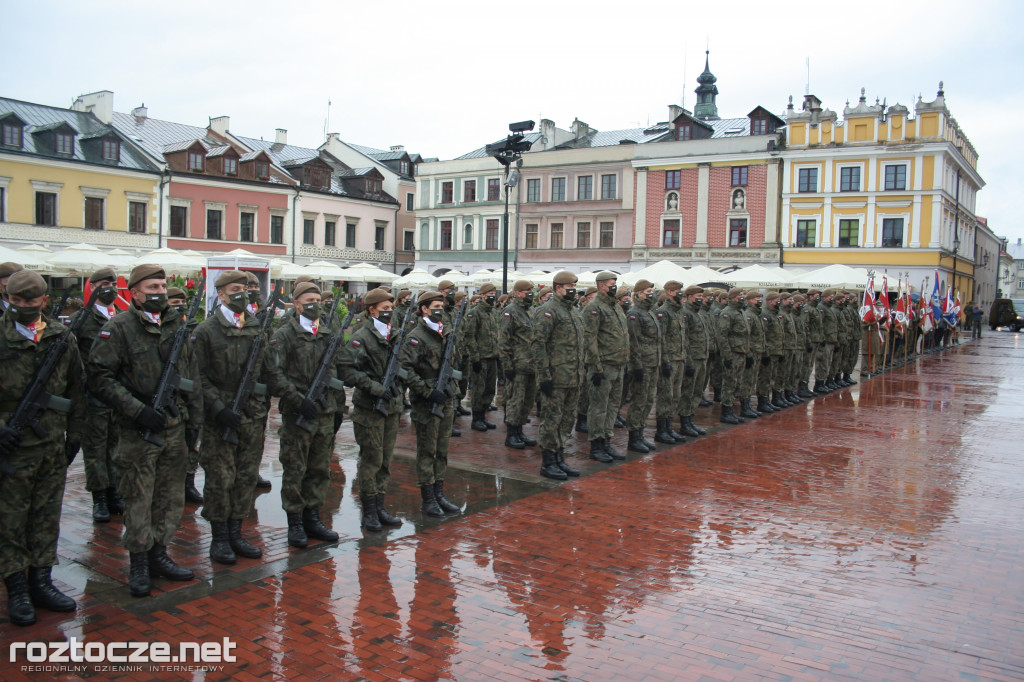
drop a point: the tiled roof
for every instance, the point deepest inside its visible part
(218, 151)
(40, 117)
(183, 145)
(156, 136)
(368, 151)
(354, 172)
(730, 127)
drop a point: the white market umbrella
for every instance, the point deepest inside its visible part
(417, 279)
(121, 260)
(834, 276)
(756, 276)
(172, 260)
(659, 273)
(364, 272)
(483, 276)
(81, 259)
(459, 279)
(285, 270)
(322, 269)
(699, 274)
(586, 279)
(33, 257)
(540, 278)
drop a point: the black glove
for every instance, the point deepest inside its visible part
(727, 364)
(9, 442)
(689, 370)
(809, 347)
(596, 378)
(510, 375)
(821, 344)
(71, 448)
(389, 393)
(749, 362)
(339, 417)
(477, 365)
(438, 397)
(666, 369)
(547, 388)
(766, 361)
(308, 409)
(228, 419)
(191, 437)
(377, 389)
(638, 375)
(151, 420)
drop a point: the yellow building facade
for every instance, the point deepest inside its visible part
(881, 189)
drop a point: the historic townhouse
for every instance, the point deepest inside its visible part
(67, 177)
(882, 190)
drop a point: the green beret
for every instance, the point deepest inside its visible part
(691, 290)
(828, 292)
(459, 295)
(752, 294)
(605, 275)
(428, 296)
(252, 278)
(773, 296)
(404, 292)
(590, 291)
(7, 269)
(673, 285)
(799, 298)
(231, 277)
(486, 289)
(175, 292)
(304, 288)
(304, 278)
(26, 284)
(102, 274)
(564, 277)
(734, 292)
(813, 292)
(642, 284)
(375, 296)
(446, 284)
(144, 272)
(522, 285)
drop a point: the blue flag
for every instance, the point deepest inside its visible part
(936, 301)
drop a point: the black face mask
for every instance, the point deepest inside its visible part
(679, 296)
(311, 311)
(106, 295)
(384, 316)
(489, 300)
(25, 314)
(254, 296)
(570, 294)
(650, 297)
(449, 298)
(529, 297)
(237, 302)
(436, 315)
(181, 309)
(612, 289)
(155, 303)
(625, 305)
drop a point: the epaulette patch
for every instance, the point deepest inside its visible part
(67, 322)
(414, 341)
(355, 342)
(632, 317)
(192, 338)
(661, 315)
(507, 314)
(273, 342)
(105, 334)
(594, 312)
(546, 314)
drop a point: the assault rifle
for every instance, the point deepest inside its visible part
(59, 306)
(322, 380)
(393, 369)
(448, 372)
(248, 385)
(170, 380)
(36, 400)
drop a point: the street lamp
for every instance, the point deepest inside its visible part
(507, 152)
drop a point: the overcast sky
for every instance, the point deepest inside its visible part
(443, 78)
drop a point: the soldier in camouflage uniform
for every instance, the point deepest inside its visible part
(811, 317)
(708, 298)
(34, 466)
(364, 363)
(481, 345)
(829, 334)
(583, 404)
(734, 348)
(673, 363)
(644, 363)
(805, 354)
(222, 345)
(625, 296)
(293, 357)
(100, 439)
(178, 301)
(853, 335)
(422, 357)
(260, 403)
(6, 270)
(769, 398)
(519, 359)
(714, 306)
(842, 339)
(788, 376)
(558, 336)
(752, 365)
(699, 336)
(607, 346)
(124, 370)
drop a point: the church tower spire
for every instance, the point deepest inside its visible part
(706, 108)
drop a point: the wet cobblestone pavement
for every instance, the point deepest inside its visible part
(871, 534)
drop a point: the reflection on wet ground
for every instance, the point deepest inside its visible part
(869, 534)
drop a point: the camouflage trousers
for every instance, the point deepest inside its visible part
(805, 361)
(98, 443)
(30, 504)
(822, 361)
(715, 371)
(837, 358)
(432, 436)
(151, 481)
(643, 398)
(627, 387)
(482, 384)
(748, 382)
(768, 376)
(692, 389)
(583, 401)
(851, 357)
(557, 417)
(230, 470)
(376, 436)
(519, 396)
(670, 391)
(731, 377)
(604, 402)
(306, 459)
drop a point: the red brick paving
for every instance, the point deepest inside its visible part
(870, 534)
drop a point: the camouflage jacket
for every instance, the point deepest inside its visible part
(842, 328)
(292, 359)
(811, 317)
(709, 326)
(421, 357)
(791, 338)
(607, 335)
(644, 336)
(89, 330)
(364, 359)
(829, 322)
(674, 338)
(221, 351)
(481, 332)
(558, 335)
(698, 339)
(755, 324)
(774, 336)
(733, 334)
(515, 338)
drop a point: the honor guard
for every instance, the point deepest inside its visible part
(644, 362)
(607, 345)
(481, 345)
(519, 360)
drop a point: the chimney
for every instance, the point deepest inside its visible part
(674, 111)
(333, 137)
(100, 104)
(398, 147)
(220, 124)
(579, 129)
(140, 113)
(280, 136)
(547, 134)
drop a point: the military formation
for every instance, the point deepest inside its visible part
(149, 394)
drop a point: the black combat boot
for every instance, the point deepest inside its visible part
(138, 574)
(19, 604)
(763, 405)
(429, 506)
(478, 423)
(220, 547)
(492, 408)
(718, 394)
(728, 415)
(792, 397)
(747, 411)
(849, 380)
(163, 566)
(661, 434)
(529, 442)
(262, 483)
(549, 466)
(581, 423)
(315, 528)
(296, 533)
(461, 411)
(597, 451)
(115, 503)
(239, 544)
(512, 439)
(692, 425)
(620, 423)
(819, 388)
(650, 444)
(384, 516)
(704, 402)
(778, 401)
(636, 442)
(370, 520)
(44, 594)
(443, 502)
(606, 443)
(100, 508)
(455, 432)
(192, 493)
(560, 461)
(803, 391)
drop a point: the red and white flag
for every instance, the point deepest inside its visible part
(867, 307)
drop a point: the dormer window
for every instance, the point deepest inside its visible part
(12, 135)
(405, 168)
(684, 131)
(759, 126)
(230, 166)
(262, 170)
(111, 150)
(64, 143)
(372, 186)
(319, 178)
(196, 161)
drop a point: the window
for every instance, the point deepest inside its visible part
(12, 135)
(896, 177)
(93, 213)
(447, 192)
(179, 221)
(137, 216)
(533, 189)
(494, 189)
(408, 240)
(557, 189)
(469, 191)
(65, 143)
(111, 150)
(378, 238)
(262, 170)
(3, 204)
(806, 233)
(404, 167)
(739, 176)
(738, 232)
(808, 180)
(230, 166)
(246, 226)
(196, 161)
(409, 199)
(373, 186)
(670, 228)
(672, 179)
(607, 235)
(607, 186)
(556, 235)
(531, 235)
(446, 235)
(892, 233)
(848, 233)
(308, 231)
(849, 179)
(582, 235)
(350, 235)
(759, 126)
(330, 232)
(213, 223)
(491, 235)
(585, 188)
(277, 229)
(46, 208)
(684, 131)
(467, 234)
